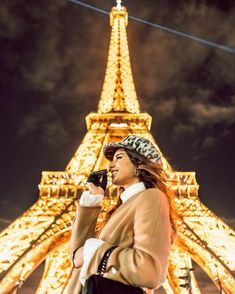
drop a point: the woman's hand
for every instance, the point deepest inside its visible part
(97, 181)
(78, 257)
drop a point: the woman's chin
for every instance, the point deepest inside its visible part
(116, 182)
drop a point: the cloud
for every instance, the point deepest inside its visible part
(166, 108)
(5, 221)
(199, 122)
(55, 57)
(199, 113)
(188, 87)
(208, 143)
(203, 114)
(182, 130)
(12, 25)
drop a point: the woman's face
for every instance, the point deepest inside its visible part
(122, 169)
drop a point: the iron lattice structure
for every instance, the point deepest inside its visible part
(43, 231)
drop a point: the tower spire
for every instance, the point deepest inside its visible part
(118, 93)
(119, 4)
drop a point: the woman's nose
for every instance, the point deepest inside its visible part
(111, 165)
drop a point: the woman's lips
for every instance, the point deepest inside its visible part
(114, 173)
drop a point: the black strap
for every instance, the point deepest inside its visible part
(104, 261)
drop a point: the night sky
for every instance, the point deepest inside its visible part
(53, 57)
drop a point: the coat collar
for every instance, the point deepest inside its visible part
(132, 190)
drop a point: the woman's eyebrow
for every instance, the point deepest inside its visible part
(119, 154)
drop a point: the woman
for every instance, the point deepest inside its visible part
(140, 225)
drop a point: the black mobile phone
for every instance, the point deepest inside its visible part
(98, 178)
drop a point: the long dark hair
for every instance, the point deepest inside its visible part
(153, 176)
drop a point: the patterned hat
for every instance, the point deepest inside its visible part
(140, 145)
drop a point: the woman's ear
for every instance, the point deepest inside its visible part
(136, 172)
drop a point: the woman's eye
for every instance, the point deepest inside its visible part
(119, 157)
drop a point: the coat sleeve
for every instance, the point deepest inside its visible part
(83, 226)
(146, 263)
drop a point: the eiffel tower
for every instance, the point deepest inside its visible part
(43, 231)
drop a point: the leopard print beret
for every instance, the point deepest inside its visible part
(141, 145)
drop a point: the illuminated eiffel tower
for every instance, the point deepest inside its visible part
(43, 231)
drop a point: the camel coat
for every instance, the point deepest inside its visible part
(140, 228)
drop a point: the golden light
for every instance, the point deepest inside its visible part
(43, 231)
